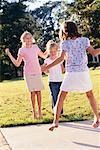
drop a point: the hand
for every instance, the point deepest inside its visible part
(44, 68)
(7, 51)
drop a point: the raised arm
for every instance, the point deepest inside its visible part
(17, 61)
(43, 55)
(42, 67)
(57, 61)
(93, 51)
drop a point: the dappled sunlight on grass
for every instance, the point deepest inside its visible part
(15, 105)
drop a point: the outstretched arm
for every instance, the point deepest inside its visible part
(43, 55)
(43, 66)
(57, 61)
(93, 51)
(17, 61)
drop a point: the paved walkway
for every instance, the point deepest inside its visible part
(69, 136)
(3, 143)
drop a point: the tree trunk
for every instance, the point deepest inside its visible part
(1, 75)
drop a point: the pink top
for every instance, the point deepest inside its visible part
(30, 58)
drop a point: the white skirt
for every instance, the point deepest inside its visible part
(77, 82)
(34, 82)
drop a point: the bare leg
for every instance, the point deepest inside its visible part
(39, 103)
(33, 104)
(59, 106)
(92, 101)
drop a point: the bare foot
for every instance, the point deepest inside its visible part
(53, 126)
(40, 117)
(35, 117)
(96, 124)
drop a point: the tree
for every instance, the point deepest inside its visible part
(88, 12)
(14, 21)
(50, 15)
(46, 17)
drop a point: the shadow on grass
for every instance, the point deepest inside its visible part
(38, 122)
(11, 80)
(17, 79)
(45, 120)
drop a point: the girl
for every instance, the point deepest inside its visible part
(29, 53)
(55, 73)
(77, 79)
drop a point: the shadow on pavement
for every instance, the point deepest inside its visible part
(87, 145)
(80, 125)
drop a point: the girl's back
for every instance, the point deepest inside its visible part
(76, 51)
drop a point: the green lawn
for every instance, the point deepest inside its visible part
(15, 106)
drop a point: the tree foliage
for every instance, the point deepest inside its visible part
(88, 13)
(14, 21)
(49, 15)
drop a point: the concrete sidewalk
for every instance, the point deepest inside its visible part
(69, 136)
(3, 143)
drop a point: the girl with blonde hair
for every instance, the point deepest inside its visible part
(29, 53)
(55, 73)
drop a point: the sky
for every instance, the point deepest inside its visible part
(38, 3)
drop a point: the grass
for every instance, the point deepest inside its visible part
(15, 106)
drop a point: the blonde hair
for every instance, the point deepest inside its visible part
(51, 44)
(24, 34)
(62, 35)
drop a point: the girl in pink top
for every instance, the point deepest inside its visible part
(29, 53)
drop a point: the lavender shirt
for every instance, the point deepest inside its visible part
(76, 51)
